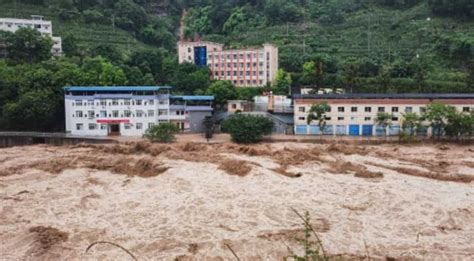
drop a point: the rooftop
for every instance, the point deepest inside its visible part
(430, 96)
(115, 88)
(193, 98)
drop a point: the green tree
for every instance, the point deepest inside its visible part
(384, 119)
(459, 124)
(410, 122)
(70, 47)
(35, 110)
(198, 20)
(437, 114)
(164, 132)
(350, 72)
(99, 71)
(247, 128)
(318, 113)
(282, 83)
(27, 45)
(222, 92)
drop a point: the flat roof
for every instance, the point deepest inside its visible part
(386, 96)
(193, 98)
(115, 88)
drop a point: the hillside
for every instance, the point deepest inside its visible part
(399, 45)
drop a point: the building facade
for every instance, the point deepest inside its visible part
(36, 22)
(354, 114)
(243, 67)
(130, 111)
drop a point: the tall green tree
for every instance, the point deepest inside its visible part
(222, 92)
(410, 122)
(318, 113)
(384, 119)
(27, 45)
(437, 114)
(282, 83)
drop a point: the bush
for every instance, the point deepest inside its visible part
(164, 132)
(247, 128)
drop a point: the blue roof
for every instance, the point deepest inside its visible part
(386, 96)
(194, 98)
(115, 88)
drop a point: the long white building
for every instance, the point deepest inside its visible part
(36, 22)
(131, 110)
(354, 114)
(252, 67)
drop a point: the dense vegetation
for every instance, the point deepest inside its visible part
(245, 128)
(361, 46)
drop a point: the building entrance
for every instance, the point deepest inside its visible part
(114, 130)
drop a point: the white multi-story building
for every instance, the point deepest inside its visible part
(354, 114)
(36, 22)
(243, 67)
(130, 111)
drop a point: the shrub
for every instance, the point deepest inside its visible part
(164, 132)
(247, 128)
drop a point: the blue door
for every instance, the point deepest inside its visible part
(341, 130)
(314, 130)
(379, 130)
(301, 130)
(394, 130)
(354, 130)
(368, 130)
(328, 130)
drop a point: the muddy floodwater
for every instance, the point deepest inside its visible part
(190, 201)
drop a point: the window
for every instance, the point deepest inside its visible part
(466, 109)
(151, 102)
(340, 109)
(115, 102)
(368, 109)
(127, 113)
(381, 109)
(367, 118)
(90, 103)
(301, 118)
(394, 109)
(139, 114)
(139, 126)
(163, 102)
(353, 109)
(90, 114)
(92, 126)
(162, 112)
(394, 118)
(78, 103)
(340, 118)
(115, 114)
(103, 114)
(151, 113)
(79, 114)
(103, 126)
(150, 125)
(139, 102)
(189, 49)
(408, 109)
(128, 126)
(302, 109)
(79, 126)
(328, 118)
(103, 102)
(234, 106)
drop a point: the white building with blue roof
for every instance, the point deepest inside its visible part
(131, 110)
